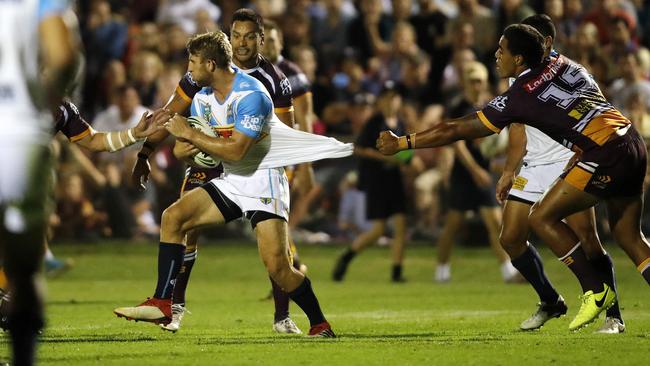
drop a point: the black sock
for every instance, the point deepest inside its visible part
(23, 345)
(603, 264)
(530, 265)
(397, 272)
(183, 278)
(577, 261)
(347, 257)
(281, 300)
(25, 321)
(170, 259)
(305, 298)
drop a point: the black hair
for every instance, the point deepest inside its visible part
(542, 23)
(249, 15)
(525, 41)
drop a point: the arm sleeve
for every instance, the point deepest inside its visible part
(299, 85)
(499, 112)
(282, 96)
(70, 122)
(187, 87)
(252, 113)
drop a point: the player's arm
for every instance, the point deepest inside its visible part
(480, 176)
(250, 117)
(230, 149)
(58, 54)
(304, 111)
(514, 155)
(286, 115)
(444, 133)
(179, 102)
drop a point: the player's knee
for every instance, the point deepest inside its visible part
(537, 218)
(172, 218)
(511, 240)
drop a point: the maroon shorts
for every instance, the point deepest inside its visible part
(615, 169)
(196, 177)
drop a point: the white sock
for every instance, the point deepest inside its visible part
(49, 255)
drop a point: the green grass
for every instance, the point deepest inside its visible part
(471, 321)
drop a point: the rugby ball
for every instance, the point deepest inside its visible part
(202, 159)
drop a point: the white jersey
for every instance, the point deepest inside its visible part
(249, 109)
(19, 67)
(23, 127)
(541, 149)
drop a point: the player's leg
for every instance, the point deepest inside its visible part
(397, 246)
(514, 239)
(273, 247)
(583, 223)
(198, 208)
(282, 323)
(563, 200)
(492, 218)
(625, 222)
(22, 227)
(453, 222)
(359, 244)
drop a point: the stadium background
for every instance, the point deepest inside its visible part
(135, 55)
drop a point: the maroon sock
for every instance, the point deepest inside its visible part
(183, 278)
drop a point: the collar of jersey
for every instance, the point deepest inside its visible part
(234, 82)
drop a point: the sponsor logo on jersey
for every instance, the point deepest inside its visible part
(601, 181)
(285, 85)
(519, 183)
(549, 72)
(207, 112)
(266, 201)
(499, 103)
(253, 123)
(244, 84)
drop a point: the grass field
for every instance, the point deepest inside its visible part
(471, 321)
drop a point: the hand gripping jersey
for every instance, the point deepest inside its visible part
(560, 99)
(249, 109)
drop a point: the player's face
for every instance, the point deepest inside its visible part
(272, 45)
(197, 67)
(245, 40)
(505, 62)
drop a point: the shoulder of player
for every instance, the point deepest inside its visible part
(289, 68)
(272, 70)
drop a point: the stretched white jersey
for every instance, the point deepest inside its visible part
(249, 109)
(541, 149)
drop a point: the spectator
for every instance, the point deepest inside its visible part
(184, 13)
(630, 83)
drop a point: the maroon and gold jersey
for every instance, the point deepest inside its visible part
(274, 80)
(562, 100)
(297, 79)
(70, 123)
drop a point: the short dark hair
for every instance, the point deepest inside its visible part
(212, 46)
(542, 23)
(249, 15)
(526, 41)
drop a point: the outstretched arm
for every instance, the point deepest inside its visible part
(444, 133)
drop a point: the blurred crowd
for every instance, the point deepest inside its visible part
(437, 56)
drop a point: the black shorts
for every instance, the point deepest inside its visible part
(385, 200)
(615, 169)
(231, 211)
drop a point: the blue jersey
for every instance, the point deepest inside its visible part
(248, 109)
